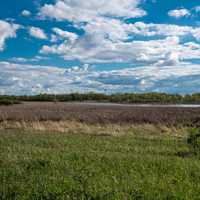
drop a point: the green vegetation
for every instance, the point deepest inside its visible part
(136, 165)
(194, 141)
(7, 102)
(117, 98)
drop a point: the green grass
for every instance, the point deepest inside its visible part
(51, 166)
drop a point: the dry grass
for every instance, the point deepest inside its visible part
(97, 120)
(101, 114)
(93, 129)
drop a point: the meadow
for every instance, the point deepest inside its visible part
(97, 153)
(97, 162)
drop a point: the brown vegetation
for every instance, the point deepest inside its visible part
(72, 127)
(100, 114)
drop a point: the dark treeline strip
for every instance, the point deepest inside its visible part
(6, 101)
(161, 98)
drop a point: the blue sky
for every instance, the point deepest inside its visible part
(62, 46)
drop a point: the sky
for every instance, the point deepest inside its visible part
(106, 46)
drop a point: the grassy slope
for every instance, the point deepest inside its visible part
(50, 166)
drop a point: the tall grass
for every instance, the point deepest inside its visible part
(94, 129)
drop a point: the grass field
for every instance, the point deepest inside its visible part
(114, 163)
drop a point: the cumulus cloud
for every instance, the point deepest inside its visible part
(26, 13)
(170, 59)
(179, 13)
(113, 41)
(37, 33)
(102, 18)
(28, 79)
(7, 30)
(109, 38)
(151, 29)
(65, 34)
(105, 36)
(85, 11)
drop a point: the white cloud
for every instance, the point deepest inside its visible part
(26, 13)
(170, 59)
(37, 33)
(114, 30)
(96, 49)
(27, 60)
(85, 11)
(54, 38)
(197, 8)
(108, 38)
(65, 34)
(179, 13)
(113, 41)
(28, 79)
(196, 33)
(152, 29)
(18, 59)
(7, 30)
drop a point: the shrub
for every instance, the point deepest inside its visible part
(194, 140)
(7, 102)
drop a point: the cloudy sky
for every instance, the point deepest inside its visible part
(62, 46)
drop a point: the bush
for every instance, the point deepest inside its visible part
(7, 102)
(194, 140)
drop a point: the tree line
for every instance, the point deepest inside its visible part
(161, 98)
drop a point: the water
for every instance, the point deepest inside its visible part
(142, 105)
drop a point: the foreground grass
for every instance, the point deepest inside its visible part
(137, 165)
